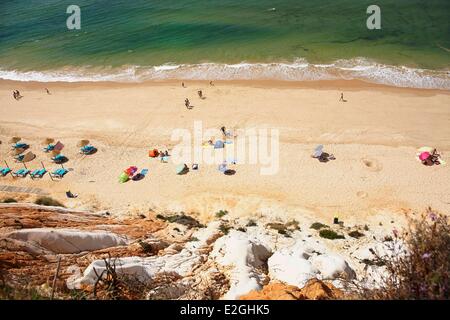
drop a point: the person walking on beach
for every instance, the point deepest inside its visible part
(48, 91)
(200, 94)
(15, 94)
(342, 97)
(187, 103)
(182, 84)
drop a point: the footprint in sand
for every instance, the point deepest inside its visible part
(372, 164)
(361, 194)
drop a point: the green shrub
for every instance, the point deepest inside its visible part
(47, 201)
(221, 213)
(330, 234)
(356, 234)
(9, 200)
(318, 226)
(423, 272)
(224, 228)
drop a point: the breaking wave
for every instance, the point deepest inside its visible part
(299, 70)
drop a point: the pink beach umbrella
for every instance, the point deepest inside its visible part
(424, 156)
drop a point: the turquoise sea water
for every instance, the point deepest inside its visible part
(135, 40)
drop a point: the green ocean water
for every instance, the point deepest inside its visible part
(145, 33)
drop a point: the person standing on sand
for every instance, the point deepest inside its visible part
(211, 84)
(182, 84)
(187, 103)
(342, 97)
(48, 92)
(200, 94)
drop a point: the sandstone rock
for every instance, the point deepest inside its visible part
(319, 290)
(275, 291)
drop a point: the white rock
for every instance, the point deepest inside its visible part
(244, 255)
(332, 266)
(140, 268)
(68, 240)
(290, 265)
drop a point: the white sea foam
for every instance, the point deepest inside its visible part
(298, 70)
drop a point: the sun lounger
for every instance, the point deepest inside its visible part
(19, 145)
(59, 158)
(21, 172)
(59, 173)
(5, 171)
(38, 173)
(49, 148)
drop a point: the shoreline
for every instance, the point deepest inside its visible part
(341, 84)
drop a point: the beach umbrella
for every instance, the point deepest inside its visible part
(83, 143)
(424, 156)
(58, 146)
(48, 141)
(17, 151)
(15, 139)
(124, 177)
(218, 144)
(180, 168)
(318, 151)
(131, 170)
(29, 156)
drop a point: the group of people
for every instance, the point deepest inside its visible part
(187, 103)
(17, 95)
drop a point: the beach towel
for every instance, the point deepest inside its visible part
(58, 146)
(219, 144)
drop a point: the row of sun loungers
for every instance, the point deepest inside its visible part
(38, 173)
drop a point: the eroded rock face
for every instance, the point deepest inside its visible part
(246, 259)
(297, 264)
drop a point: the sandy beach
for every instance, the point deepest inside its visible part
(374, 137)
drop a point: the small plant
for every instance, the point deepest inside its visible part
(181, 219)
(356, 234)
(284, 233)
(388, 239)
(330, 234)
(47, 201)
(224, 228)
(221, 213)
(194, 239)
(9, 200)
(242, 229)
(421, 270)
(318, 226)
(366, 227)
